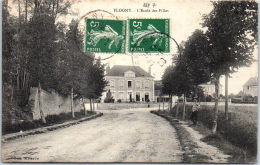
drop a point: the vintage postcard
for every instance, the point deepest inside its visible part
(127, 81)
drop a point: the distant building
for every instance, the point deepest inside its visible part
(251, 87)
(129, 83)
(157, 89)
(209, 88)
(158, 96)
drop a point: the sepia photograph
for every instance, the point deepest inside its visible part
(129, 81)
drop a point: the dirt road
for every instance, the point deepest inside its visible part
(133, 135)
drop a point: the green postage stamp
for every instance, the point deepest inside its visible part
(105, 36)
(149, 35)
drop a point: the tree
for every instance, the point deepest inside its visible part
(109, 98)
(8, 57)
(182, 82)
(167, 82)
(193, 66)
(232, 32)
(93, 85)
(196, 57)
(42, 61)
(42, 44)
(197, 92)
(72, 65)
(175, 81)
(15, 55)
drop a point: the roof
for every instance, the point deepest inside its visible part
(119, 70)
(253, 81)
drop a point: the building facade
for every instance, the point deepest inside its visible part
(129, 84)
(209, 89)
(158, 96)
(251, 87)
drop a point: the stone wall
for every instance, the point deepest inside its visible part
(52, 103)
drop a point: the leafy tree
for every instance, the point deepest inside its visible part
(109, 98)
(192, 66)
(197, 92)
(82, 76)
(15, 55)
(167, 82)
(42, 44)
(71, 64)
(8, 57)
(42, 61)
(182, 82)
(232, 32)
(39, 51)
(196, 58)
(175, 80)
(94, 84)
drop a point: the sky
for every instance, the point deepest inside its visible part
(185, 17)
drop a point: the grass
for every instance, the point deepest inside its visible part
(50, 120)
(237, 136)
(188, 145)
(238, 155)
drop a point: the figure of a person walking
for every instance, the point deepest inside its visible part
(194, 114)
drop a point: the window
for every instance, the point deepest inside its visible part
(129, 84)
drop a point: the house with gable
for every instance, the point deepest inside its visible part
(251, 87)
(209, 88)
(129, 84)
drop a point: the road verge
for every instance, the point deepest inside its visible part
(195, 150)
(13, 136)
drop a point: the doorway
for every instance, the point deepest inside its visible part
(130, 96)
(137, 97)
(146, 97)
